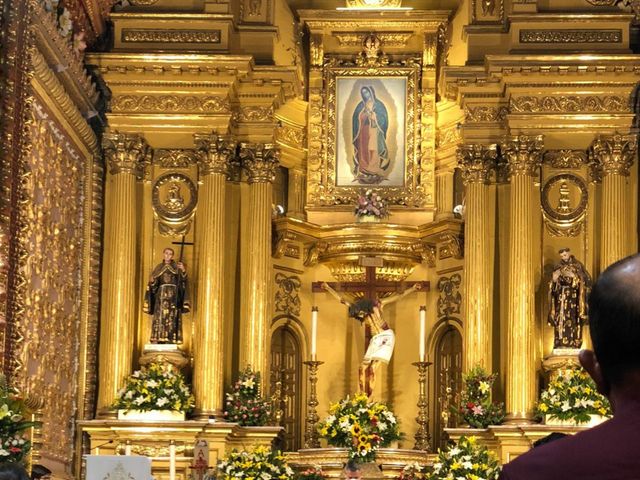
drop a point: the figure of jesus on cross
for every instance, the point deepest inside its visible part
(368, 310)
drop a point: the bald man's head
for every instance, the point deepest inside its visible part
(614, 319)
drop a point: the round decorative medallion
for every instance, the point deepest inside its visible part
(564, 204)
(174, 197)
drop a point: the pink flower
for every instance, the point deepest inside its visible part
(477, 410)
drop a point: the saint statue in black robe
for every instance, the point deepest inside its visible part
(166, 299)
(568, 291)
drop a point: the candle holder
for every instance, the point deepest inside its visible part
(311, 439)
(422, 435)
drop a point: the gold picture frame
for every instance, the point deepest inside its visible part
(328, 172)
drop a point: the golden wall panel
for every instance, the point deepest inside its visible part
(53, 240)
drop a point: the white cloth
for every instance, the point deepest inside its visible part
(381, 347)
(133, 467)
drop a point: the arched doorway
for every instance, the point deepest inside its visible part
(448, 381)
(286, 368)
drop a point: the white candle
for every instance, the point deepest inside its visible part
(127, 448)
(423, 331)
(314, 332)
(172, 461)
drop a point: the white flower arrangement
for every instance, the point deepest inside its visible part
(465, 460)
(156, 387)
(259, 464)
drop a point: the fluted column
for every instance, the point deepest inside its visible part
(214, 153)
(476, 162)
(613, 155)
(523, 155)
(261, 162)
(124, 155)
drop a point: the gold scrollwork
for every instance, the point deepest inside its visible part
(564, 219)
(571, 36)
(175, 158)
(169, 103)
(388, 39)
(148, 35)
(170, 206)
(322, 184)
(570, 103)
(565, 158)
(485, 114)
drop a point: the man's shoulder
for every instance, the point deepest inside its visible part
(609, 445)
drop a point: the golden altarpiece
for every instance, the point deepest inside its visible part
(225, 129)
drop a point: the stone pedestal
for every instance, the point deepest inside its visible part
(560, 360)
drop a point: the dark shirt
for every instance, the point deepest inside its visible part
(610, 451)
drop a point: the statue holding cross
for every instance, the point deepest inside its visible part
(369, 311)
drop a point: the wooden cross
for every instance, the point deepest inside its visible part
(182, 243)
(371, 287)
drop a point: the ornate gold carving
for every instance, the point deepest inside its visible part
(448, 136)
(214, 153)
(570, 103)
(563, 218)
(287, 299)
(488, 7)
(352, 271)
(322, 188)
(450, 299)
(254, 113)
(373, 4)
(170, 104)
(125, 153)
(291, 136)
(143, 3)
(148, 35)
(261, 161)
(316, 50)
(477, 161)
(151, 450)
(429, 256)
(523, 154)
(565, 158)
(175, 158)
(174, 197)
(388, 39)
(372, 54)
(571, 36)
(485, 114)
(615, 153)
(54, 236)
(452, 246)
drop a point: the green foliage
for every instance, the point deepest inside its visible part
(361, 426)
(465, 460)
(476, 407)
(155, 387)
(245, 405)
(573, 396)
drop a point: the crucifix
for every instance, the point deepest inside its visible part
(182, 243)
(368, 310)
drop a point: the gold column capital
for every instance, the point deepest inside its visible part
(214, 152)
(476, 161)
(614, 154)
(261, 161)
(126, 153)
(523, 154)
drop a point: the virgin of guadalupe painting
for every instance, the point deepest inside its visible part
(370, 121)
(370, 124)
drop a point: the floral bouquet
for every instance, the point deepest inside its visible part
(361, 426)
(371, 205)
(465, 460)
(573, 396)
(245, 405)
(260, 463)
(155, 387)
(476, 407)
(413, 471)
(313, 473)
(13, 446)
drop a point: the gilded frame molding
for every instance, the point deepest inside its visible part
(324, 191)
